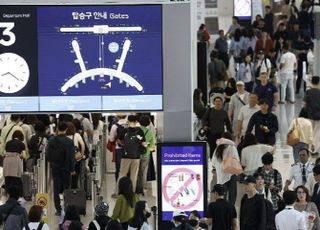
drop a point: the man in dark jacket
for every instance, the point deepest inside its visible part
(60, 153)
(12, 214)
(265, 123)
(214, 121)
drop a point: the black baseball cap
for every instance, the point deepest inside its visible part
(249, 179)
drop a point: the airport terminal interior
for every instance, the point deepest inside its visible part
(160, 114)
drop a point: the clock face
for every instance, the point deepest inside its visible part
(14, 73)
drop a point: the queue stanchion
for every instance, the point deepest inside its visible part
(104, 149)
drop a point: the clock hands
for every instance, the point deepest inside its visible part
(8, 73)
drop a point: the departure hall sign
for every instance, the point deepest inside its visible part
(81, 58)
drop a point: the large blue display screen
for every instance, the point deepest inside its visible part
(91, 57)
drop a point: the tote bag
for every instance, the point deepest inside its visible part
(232, 165)
(293, 136)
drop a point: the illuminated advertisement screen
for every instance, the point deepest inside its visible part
(242, 9)
(183, 178)
(71, 58)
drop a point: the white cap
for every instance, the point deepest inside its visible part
(179, 213)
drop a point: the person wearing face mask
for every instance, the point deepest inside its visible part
(140, 218)
(179, 220)
(194, 221)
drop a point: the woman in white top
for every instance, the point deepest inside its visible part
(251, 154)
(140, 218)
(77, 180)
(35, 215)
(97, 127)
(226, 148)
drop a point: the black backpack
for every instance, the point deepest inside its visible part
(132, 144)
(56, 152)
(121, 131)
(38, 228)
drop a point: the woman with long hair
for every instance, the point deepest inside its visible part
(125, 203)
(198, 105)
(97, 127)
(140, 218)
(226, 148)
(246, 73)
(304, 205)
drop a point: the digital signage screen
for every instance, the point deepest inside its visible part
(71, 58)
(182, 182)
(242, 9)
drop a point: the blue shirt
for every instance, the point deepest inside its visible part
(266, 91)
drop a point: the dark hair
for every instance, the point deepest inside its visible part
(195, 213)
(75, 225)
(237, 35)
(236, 18)
(96, 117)
(218, 188)
(267, 158)
(263, 101)
(39, 127)
(132, 118)
(35, 213)
(114, 225)
(285, 46)
(249, 139)
(221, 31)
(77, 124)
(304, 149)
(316, 170)
(14, 191)
(214, 54)
(317, 161)
(72, 213)
(267, 7)
(289, 197)
(139, 216)
(62, 126)
(18, 135)
(250, 33)
(71, 130)
(144, 120)
(232, 82)
(196, 94)
(220, 148)
(287, 2)
(315, 80)
(201, 26)
(126, 189)
(217, 97)
(15, 117)
(31, 119)
(182, 220)
(257, 174)
(308, 198)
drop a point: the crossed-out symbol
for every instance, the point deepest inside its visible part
(186, 183)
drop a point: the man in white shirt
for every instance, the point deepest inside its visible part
(299, 172)
(288, 63)
(289, 218)
(245, 114)
(237, 101)
(263, 65)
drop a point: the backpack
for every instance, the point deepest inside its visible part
(257, 73)
(38, 228)
(121, 131)
(56, 152)
(270, 217)
(132, 144)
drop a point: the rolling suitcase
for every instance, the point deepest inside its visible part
(76, 197)
(27, 185)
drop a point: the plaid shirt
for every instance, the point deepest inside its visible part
(267, 180)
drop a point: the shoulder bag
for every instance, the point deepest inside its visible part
(293, 136)
(232, 165)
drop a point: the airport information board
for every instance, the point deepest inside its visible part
(81, 58)
(183, 178)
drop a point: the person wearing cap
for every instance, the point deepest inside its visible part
(101, 219)
(265, 124)
(253, 207)
(289, 218)
(313, 108)
(288, 63)
(267, 90)
(237, 101)
(180, 221)
(214, 120)
(221, 214)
